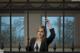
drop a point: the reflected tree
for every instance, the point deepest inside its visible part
(69, 32)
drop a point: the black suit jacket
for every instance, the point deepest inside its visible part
(44, 43)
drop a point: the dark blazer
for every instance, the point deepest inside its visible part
(44, 43)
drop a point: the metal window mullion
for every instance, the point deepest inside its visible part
(28, 28)
(10, 33)
(73, 37)
(27, 2)
(0, 25)
(10, 11)
(63, 22)
(45, 22)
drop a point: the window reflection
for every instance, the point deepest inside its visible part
(57, 24)
(17, 32)
(5, 32)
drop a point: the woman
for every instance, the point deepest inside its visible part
(40, 42)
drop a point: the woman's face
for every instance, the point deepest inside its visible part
(40, 33)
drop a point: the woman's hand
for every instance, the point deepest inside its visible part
(49, 24)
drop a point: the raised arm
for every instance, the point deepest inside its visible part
(52, 33)
(52, 36)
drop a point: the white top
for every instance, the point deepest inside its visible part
(39, 44)
(1, 51)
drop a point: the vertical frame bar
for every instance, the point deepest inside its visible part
(28, 29)
(63, 22)
(73, 38)
(45, 22)
(10, 11)
(45, 15)
(0, 25)
(0, 28)
(27, 47)
(2, 44)
(10, 32)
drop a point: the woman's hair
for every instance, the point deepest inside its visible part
(44, 28)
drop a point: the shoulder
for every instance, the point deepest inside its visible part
(33, 39)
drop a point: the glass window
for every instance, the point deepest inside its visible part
(5, 32)
(17, 32)
(57, 24)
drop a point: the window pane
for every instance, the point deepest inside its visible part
(69, 31)
(55, 21)
(57, 24)
(5, 32)
(17, 32)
